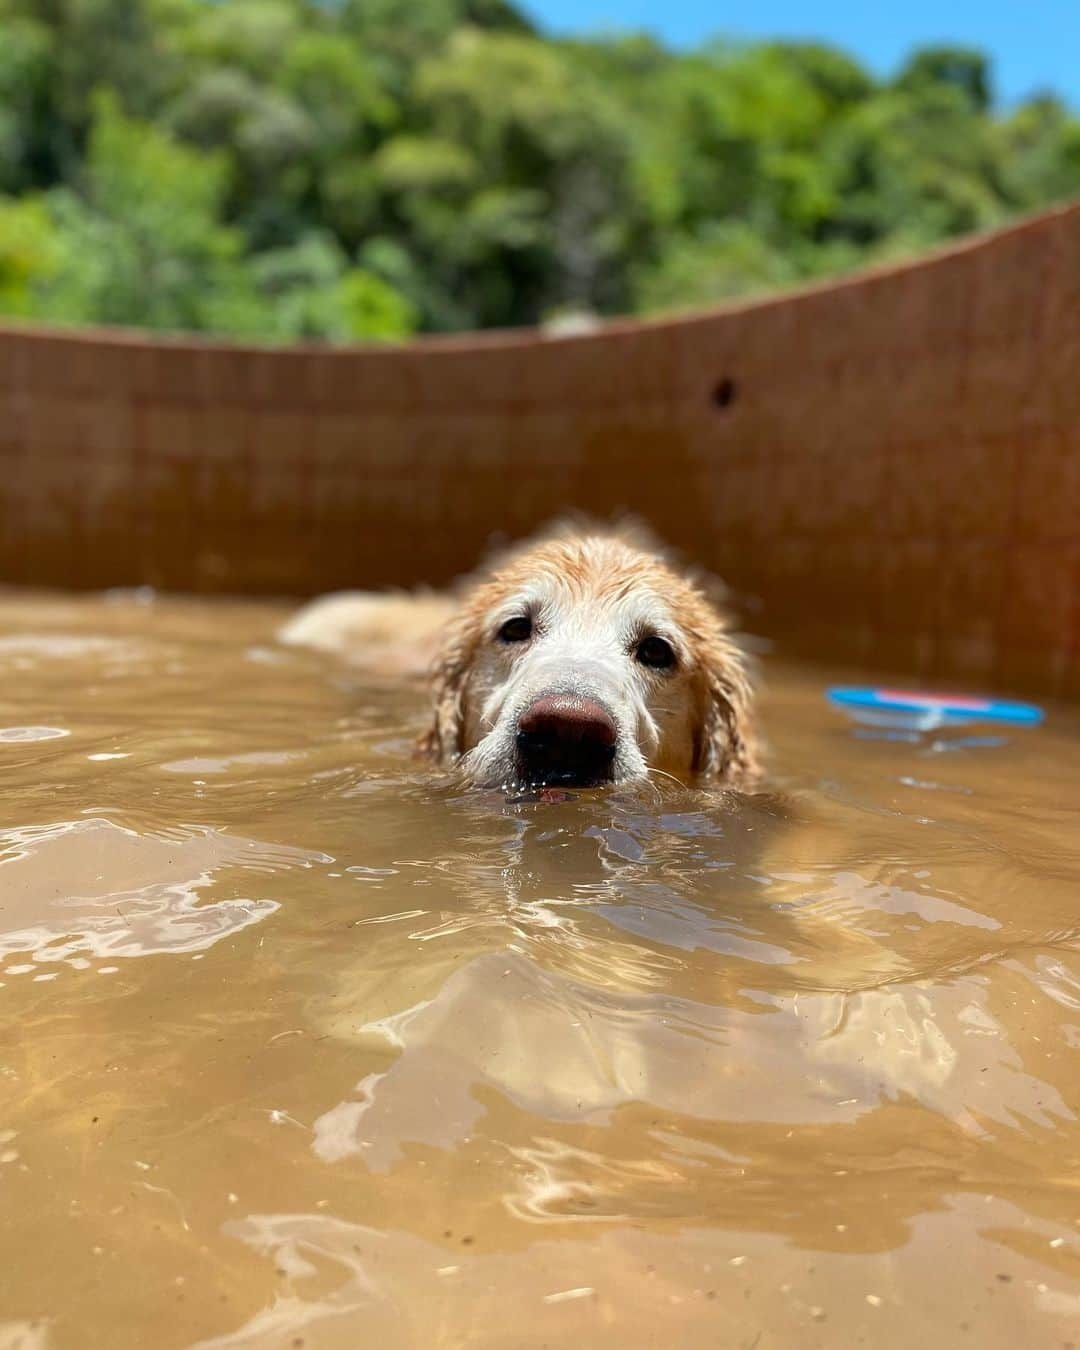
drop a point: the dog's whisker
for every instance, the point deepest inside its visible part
(662, 773)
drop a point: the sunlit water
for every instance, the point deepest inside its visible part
(301, 1047)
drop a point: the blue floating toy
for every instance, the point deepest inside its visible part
(925, 711)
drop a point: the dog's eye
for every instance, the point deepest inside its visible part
(516, 630)
(656, 653)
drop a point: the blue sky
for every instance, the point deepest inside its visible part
(1035, 44)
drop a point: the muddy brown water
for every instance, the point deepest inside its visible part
(301, 1047)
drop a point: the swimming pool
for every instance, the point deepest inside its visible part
(303, 1047)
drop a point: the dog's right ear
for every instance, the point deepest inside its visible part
(444, 740)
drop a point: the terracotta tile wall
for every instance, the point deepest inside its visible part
(886, 469)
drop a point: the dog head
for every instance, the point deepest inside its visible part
(587, 660)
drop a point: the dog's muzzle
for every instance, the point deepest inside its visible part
(566, 740)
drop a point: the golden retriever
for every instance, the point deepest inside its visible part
(578, 660)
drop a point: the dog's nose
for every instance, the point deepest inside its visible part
(562, 738)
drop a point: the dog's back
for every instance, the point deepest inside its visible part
(394, 633)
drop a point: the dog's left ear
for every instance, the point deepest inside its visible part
(726, 748)
(444, 739)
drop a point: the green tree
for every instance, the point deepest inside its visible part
(922, 163)
(546, 218)
(144, 242)
(960, 68)
(31, 254)
(1039, 147)
(312, 291)
(25, 59)
(359, 168)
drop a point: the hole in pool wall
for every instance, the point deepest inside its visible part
(723, 394)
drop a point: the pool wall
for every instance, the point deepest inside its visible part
(885, 469)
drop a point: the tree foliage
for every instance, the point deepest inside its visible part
(336, 169)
